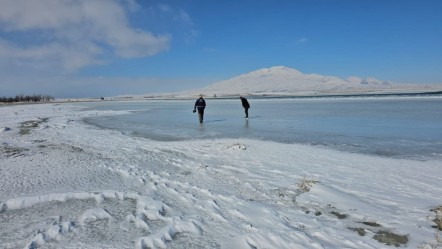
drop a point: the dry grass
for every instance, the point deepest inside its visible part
(305, 185)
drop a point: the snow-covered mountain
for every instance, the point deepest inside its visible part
(280, 80)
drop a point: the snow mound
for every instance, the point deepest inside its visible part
(93, 215)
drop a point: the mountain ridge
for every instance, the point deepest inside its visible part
(281, 80)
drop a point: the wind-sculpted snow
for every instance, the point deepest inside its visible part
(57, 217)
(66, 184)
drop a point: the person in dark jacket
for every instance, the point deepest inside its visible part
(200, 105)
(246, 105)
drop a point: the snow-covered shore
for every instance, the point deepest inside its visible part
(65, 184)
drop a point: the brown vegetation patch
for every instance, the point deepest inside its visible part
(361, 231)
(438, 219)
(339, 215)
(12, 151)
(305, 185)
(370, 223)
(27, 126)
(186, 173)
(390, 238)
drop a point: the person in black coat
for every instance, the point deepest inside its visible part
(200, 105)
(246, 105)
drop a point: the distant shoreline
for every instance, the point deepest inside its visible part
(359, 95)
(226, 97)
(278, 96)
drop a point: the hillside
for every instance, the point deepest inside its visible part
(280, 80)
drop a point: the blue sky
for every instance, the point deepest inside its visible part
(91, 48)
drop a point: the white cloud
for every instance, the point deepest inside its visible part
(184, 17)
(303, 40)
(78, 33)
(164, 7)
(51, 55)
(181, 21)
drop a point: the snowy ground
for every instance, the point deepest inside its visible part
(65, 184)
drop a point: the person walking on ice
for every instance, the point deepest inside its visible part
(200, 105)
(246, 105)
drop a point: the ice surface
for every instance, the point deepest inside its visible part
(68, 184)
(391, 127)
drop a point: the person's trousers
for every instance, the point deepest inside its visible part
(201, 115)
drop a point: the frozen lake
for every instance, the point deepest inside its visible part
(155, 178)
(401, 127)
